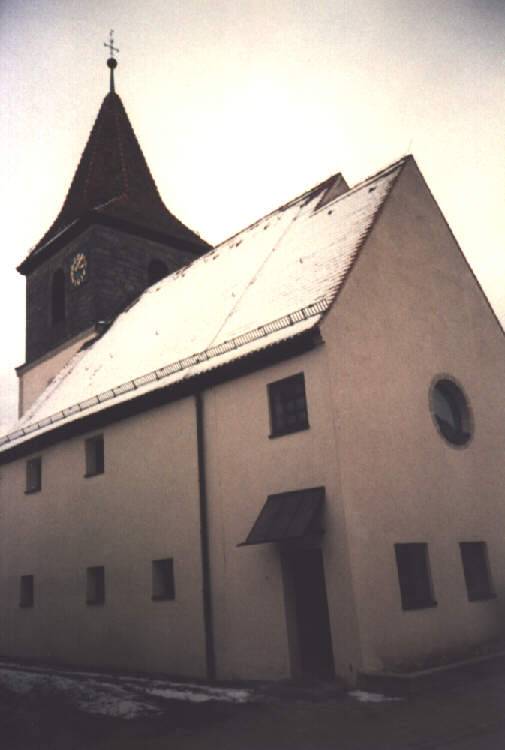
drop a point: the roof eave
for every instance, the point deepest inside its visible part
(77, 227)
(298, 344)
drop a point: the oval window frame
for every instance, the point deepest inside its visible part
(454, 395)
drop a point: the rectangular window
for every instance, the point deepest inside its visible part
(26, 591)
(95, 585)
(163, 579)
(34, 474)
(476, 570)
(94, 456)
(414, 575)
(288, 405)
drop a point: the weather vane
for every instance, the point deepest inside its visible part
(111, 62)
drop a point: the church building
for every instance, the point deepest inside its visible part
(281, 457)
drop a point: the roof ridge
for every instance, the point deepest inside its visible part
(367, 180)
(121, 152)
(382, 172)
(397, 165)
(315, 190)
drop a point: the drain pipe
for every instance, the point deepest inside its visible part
(204, 543)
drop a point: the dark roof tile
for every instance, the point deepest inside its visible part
(113, 181)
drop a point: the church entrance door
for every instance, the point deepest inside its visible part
(312, 622)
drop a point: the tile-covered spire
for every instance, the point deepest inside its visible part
(113, 185)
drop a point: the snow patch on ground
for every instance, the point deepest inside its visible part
(363, 697)
(19, 682)
(108, 695)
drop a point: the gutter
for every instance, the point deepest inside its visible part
(204, 543)
(55, 428)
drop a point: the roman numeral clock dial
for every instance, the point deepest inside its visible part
(78, 269)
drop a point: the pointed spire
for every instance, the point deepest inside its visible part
(113, 185)
(111, 62)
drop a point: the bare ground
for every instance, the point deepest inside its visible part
(469, 715)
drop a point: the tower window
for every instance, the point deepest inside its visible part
(157, 270)
(58, 296)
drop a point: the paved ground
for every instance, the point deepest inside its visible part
(457, 715)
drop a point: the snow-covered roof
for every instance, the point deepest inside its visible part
(269, 283)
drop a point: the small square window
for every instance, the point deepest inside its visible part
(414, 575)
(94, 456)
(34, 475)
(26, 591)
(288, 405)
(476, 570)
(95, 585)
(163, 579)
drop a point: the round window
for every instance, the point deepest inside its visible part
(451, 411)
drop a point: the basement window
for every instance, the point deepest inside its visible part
(34, 475)
(414, 575)
(163, 580)
(94, 456)
(95, 585)
(288, 405)
(476, 570)
(26, 589)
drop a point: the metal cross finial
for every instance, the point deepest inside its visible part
(110, 45)
(111, 62)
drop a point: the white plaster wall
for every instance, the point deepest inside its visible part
(245, 466)
(144, 507)
(409, 311)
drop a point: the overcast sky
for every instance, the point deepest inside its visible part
(239, 105)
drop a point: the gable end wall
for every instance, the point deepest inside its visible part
(411, 310)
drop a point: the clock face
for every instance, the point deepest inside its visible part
(78, 269)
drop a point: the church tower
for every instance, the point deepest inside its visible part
(112, 239)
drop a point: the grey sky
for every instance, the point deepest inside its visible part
(239, 106)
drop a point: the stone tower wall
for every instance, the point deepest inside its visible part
(117, 274)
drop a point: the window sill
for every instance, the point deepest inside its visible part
(163, 598)
(95, 602)
(274, 435)
(94, 474)
(419, 605)
(24, 605)
(32, 492)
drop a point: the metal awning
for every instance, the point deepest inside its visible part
(289, 515)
